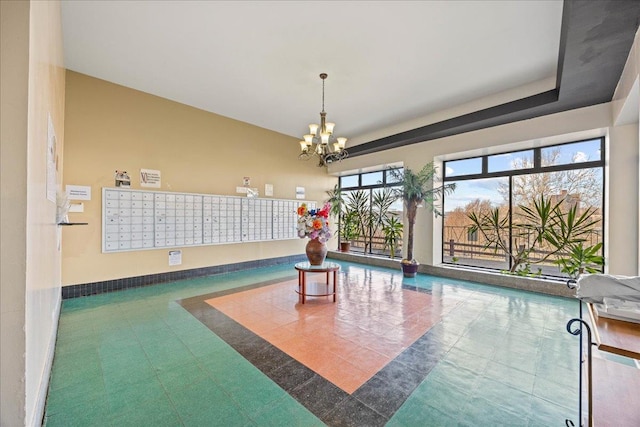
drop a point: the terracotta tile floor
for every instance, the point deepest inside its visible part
(345, 342)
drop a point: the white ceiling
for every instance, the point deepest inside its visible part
(259, 61)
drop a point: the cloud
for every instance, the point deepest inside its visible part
(449, 171)
(580, 157)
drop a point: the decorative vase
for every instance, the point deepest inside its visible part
(316, 251)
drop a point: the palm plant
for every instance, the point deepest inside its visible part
(381, 202)
(337, 201)
(392, 230)
(581, 260)
(349, 230)
(544, 223)
(418, 188)
(357, 202)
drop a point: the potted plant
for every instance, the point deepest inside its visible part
(392, 229)
(349, 230)
(336, 201)
(417, 188)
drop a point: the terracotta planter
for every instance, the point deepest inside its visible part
(345, 246)
(316, 251)
(409, 270)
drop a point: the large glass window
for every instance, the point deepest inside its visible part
(370, 202)
(462, 245)
(496, 216)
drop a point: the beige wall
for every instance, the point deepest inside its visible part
(109, 127)
(32, 89)
(14, 71)
(621, 184)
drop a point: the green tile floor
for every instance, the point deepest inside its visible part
(137, 358)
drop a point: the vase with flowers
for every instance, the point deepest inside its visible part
(314, 224)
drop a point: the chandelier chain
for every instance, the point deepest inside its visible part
(323, 95)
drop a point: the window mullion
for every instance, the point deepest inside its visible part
(510, 246)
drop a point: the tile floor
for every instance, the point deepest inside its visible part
(233, 350)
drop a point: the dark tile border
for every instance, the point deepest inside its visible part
(94, 288)
(373, 404)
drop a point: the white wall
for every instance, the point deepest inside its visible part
(621, 200)
(567, 126)
(626, 108)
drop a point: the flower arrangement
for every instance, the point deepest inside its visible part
(314, 223)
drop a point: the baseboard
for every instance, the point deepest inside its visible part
(94, 288)
(544, 286)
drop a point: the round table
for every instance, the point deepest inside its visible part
(327, 267)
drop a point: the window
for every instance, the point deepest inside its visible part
(567, 154)
(369, 197)
(490, 219)
(372, 178)
(463, 167)
(349, 181)
(510, 161)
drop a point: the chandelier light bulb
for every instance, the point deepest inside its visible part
(325, 137)
(342, 142)
(308, 139)
(313, 129)
(329, 127)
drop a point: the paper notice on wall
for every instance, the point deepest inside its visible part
(175, 257)
(299, 192)
(78, 192)
(150, 178)
(268, 190)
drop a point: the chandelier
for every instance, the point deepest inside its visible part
(320, 140)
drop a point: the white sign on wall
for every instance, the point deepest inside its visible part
(150, 178)
(78, 192)
(175, 257)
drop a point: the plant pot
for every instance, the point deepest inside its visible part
(345, 246)
(409, 270)
(316, 251)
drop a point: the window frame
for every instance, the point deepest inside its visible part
(536, 169)
(387, 182)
